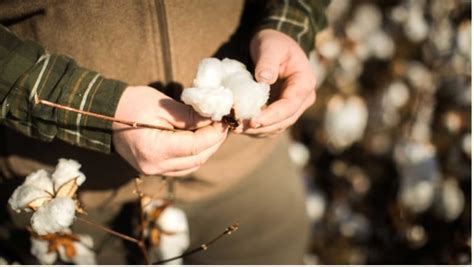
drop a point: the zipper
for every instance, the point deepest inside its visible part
(165, 41)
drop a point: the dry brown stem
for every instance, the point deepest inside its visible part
(133, 124)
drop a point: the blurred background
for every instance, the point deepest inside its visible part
(386, 150)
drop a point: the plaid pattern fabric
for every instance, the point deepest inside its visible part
(300, 19)
(26, 70)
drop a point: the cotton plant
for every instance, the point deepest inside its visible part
(420, 174)
(67, 247)
(50, 196)
(345, 120)
(365, 30)
(223, 85)
(167, 229)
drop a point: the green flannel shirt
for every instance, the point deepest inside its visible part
(27, 69)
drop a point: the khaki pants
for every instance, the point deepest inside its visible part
(268, 204)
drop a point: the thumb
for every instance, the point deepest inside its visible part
(268, 58)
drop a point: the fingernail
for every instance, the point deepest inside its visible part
(266, 75)
(257, 125)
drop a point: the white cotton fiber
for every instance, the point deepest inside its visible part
(41, 180)
(173, 220)
(345, 120)
(173, 245)
(83, 252)
(209, 102)
(55, 216)
(249, 96)
(66, 170)
(37, 186)
(220, 86)
(24, 195)
(209, 74)
(231, 66)
(40, 249)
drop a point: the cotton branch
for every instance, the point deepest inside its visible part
(133, 124)
(228, 231)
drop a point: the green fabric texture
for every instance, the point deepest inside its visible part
(26, 70)
(300, 19)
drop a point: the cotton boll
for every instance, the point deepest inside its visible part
(36, 189)
(173, 220)
(464, 38)
(209, 102)
(27, 195)
(419, 170)
(449, 201)
(441, 36)
(345, 120)
(396, 95)
(171, 246)
(249, 98)
(66, 170)
(420, 76)
(57, 215)
(231, 66)
(367, 19)
(84, 253)
(399, 14)
(315, 206)
(299, 153)
(41, 180)
(416, 28)
(381, 45)
(466, 144)
(336, 9)
(327, 44)
(210, 73)
(40, 249)
(416, 236)
(350, 67)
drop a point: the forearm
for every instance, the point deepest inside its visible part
(27, 70)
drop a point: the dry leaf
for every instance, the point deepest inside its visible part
(68, 189)
(36, 203)
(56, 241)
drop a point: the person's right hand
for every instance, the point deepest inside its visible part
(162, 152)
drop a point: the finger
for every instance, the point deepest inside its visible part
(181, 173)
(276, 112)
(181, 116)
(187, 143)
(295, 91)
(281, 126)
(267, 57)
(183, 163)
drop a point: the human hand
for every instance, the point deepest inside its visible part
(162, 152)
(277, 56)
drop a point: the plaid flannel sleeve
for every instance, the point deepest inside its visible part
(26, 69)
(300, 19)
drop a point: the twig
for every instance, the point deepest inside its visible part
(141, 243)
(133, 124)
(142, 247)
(108, 230)
(228, 231)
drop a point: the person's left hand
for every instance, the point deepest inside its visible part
(277, 56)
